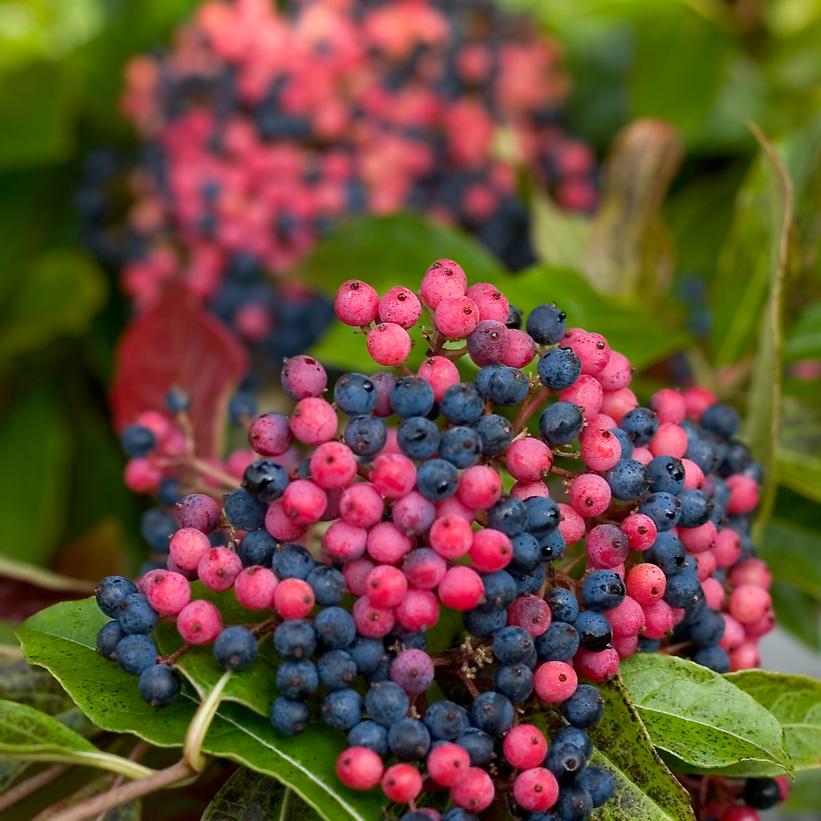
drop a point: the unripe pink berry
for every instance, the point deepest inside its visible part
(705, 564)
(440, 373)
(293, 599)
(393, 475)
(356, 303)
(693, 475)
(199, 622)
(447, 763)
(760, 627)
(456, 317)
(304, 502)
(743, 494)
(345, 541)
(401, 306)
(238, 461)
(531, 613)
(698, 539)
(733, 633)
(618, 403)
(751, 571)
(218, 568)
(520, 349)
(745, 657)
(658, 619)
(528, 459)
(461, 588)
(607, 546)
(600, 450)
(167, 592)
(480, 487)
(524, 747)
(371, 621)
(387, 544)
(419, 610)
(356, 574)
(413, 514)
(491, 302)
(491, 550)
(626, 646)
(333, 465)
(597, 665)
(389, 344)
(697, 400)
(591, 348)
(488, 344)
(303, 376)
(360, 505)
(527, 490)
(669, 405)
(627, 618)
(670, 440)
(571, 525)
(402, 783)
(424, 568)
(198, 510)
(642, 455)
(254, 588)
(554, 681)
(313, 421)
(727, 547)
(269, 434)
(451, 536)
(589, 495)
(141, 475)
(617, 373)
(585, 392)
(474, 791)
(386, 586)
(536, 789)
(749, 602)
(640, 530)
(713, 592)
(445, 278)
(187, 547)
(359, 768)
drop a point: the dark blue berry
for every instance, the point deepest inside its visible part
(178, 400)
(665, 474)
(561, 423)
(715, 658)
(761, 793)
(365, 435)
(663, 508)
(478, 745)
(509, 515)
(137, 441)
(295, 639)
(624, 441)
(594, 630)
(558, 643)
(235, 648)
(603, 589)
(547, 324)
(684, 589)
(551, 545)
(542, 515)
(355, 394)
(559, 368)
(495, 433)
(342, 709)
(627, 479)
(242, 408)
(408, 739)
(328, 584)
(288, 716)
(462, 404)
(292, 561)
(257, 548)
(108, 638)
(367, 653)
(492, 712)
(585, 707)
(500, 590)
(700, 451)
(371, 735)
(565, 761)
(461, 446)
(574, 803)
(512, 644)
(418, 438)
(297, 679)
(244, 511)
(696, 508)
(515, 681)
(575, 736)
(707, 628)
(437, 479)
(335, 628)
(720, 419)
(484, 623)
(157, 528)
(265, 479)
(336, 669)
(446, 720)
(668, 553)
(386, 702)
(530, 582)
(640, 424)
(135, 653)
(507, 386)
(111, 592)
(159, 685)
(563, 604)
(411, 396)
(526, 554)
(136, 615)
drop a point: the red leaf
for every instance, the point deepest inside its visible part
(177, 342)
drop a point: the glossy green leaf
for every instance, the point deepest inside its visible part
(32, 503)
(645, 790)
(249, 796)
(26, 733)
(764, 397)
(792, 552)
(799, 449)
(796, 702)
(393, 250)
(700, 717)
(798, 613)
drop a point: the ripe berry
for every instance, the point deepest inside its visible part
(359, 768)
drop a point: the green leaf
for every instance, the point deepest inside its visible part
(700, 717)
(797, 613)
(764, 396)
(796, 702)
(645, 790)
(249, 796)
(58, 296)
(639, 335)
(792, 553)
(26, 733)
(799, 462)
(559, 238)
(804, 338)
(32, 503)
(388, 251)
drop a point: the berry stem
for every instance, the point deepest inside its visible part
(192, 748)
(529, 407)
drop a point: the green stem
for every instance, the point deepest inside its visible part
(194, 738)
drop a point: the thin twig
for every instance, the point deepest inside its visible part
(25, 788)
(127, 792)
(529, 407)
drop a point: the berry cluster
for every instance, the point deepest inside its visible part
(439, 496)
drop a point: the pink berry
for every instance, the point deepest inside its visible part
(527, 490)
(727, 547)
(359, 768)
(751, 571)
(571, 525)
(591, 348)
(491, 550)
(749, 602)
(520, 349)
(474, 791)
(617, 373)
(586, 392)
(345, 541)
(597, 665)
(371, 621)
(745, 656)
(280, 525)
(589, 495)
(424, 568)
(531, 613)
(480, 487)
(333, 465)
(697, 400)
(218, 568)
(627, 618)
(167, 592)
(440, 373)
(528, 459)
(389, 344)
(600, 450)
(456, 317)
(461, 588)
(187, 547)
(141, 475)
(386, 586)
(451, 536)
(698, 539)
(488, 344)
(607, 546)
(640, 530)
(642, 455)
(303, 376)
(413, 671)
(304, 502)
(199, 622)
(743, 494)
(384, 384)
(402, 783)
(445, 278)
(313, 421)
(356, 303)
(626, 646)
(419, 610)
(554, 681)
(254, 588)
(361, 505)
(733, 633)
(447, 763)
(618, 403)
(413, 514)
(646, 584)
(293, 599)
(524, 747)
(490, 300)
(669, 405)
(760, 627)
(670, 440)
(199, 511)
(658, 620)
(401, 306)
(713, 592)
(693, 475)
(269, 434)
(536, 789)
(393, 475)
(356, 574)
(387, 544)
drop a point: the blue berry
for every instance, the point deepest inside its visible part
(512, 644)
(558, 643)
(646, 645)
(178, 400)
(495, 433)
(292, 561)
(446, 720)
(624, 441)
(707, 628)
(295, 639)
(137, 440)
(478, 745)
(297, 679)
(328, 584)
(437, 479)
(462, 404)
(408, 739)
(713, 657)
(627, 479)
(365, 435)
(547, 324)
(663, 508)
(563, 604)
(574, 803)
(526, 553)
(492, 712)
(136, 615)
(369, 734)
(288, 716)
(342, 709)
(508, 386)
(640, 424)
(461, 446)
(585, 707)
(418, 438)
(509, 515)
(108, 638)
(411, 396)
(700, 451)
(530, 582)
(515, 681)
(135, 653)
(159, 685)
(336, 669)
(696, 508)
(244, 511)
(386, 702)
(684, 589)
(565, 761)
(169, 491)
(458, 814)
(111, 592)
(594, 630)
(335, 628)
(542, 515)
(257, 548)
(235, 648)
(355, 394)
(265, 479)
(762, 793)
(500, 590)
(551, 545)
(157, 527)
(484, 623)
(668, 553)
(720, 419)
(603, 589)
(367, 653)
(575, 736)
(242, 408)
(560, 423)
(665, 474)
(484, 376)
(559, 368)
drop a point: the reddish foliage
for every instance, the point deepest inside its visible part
(177, 342)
